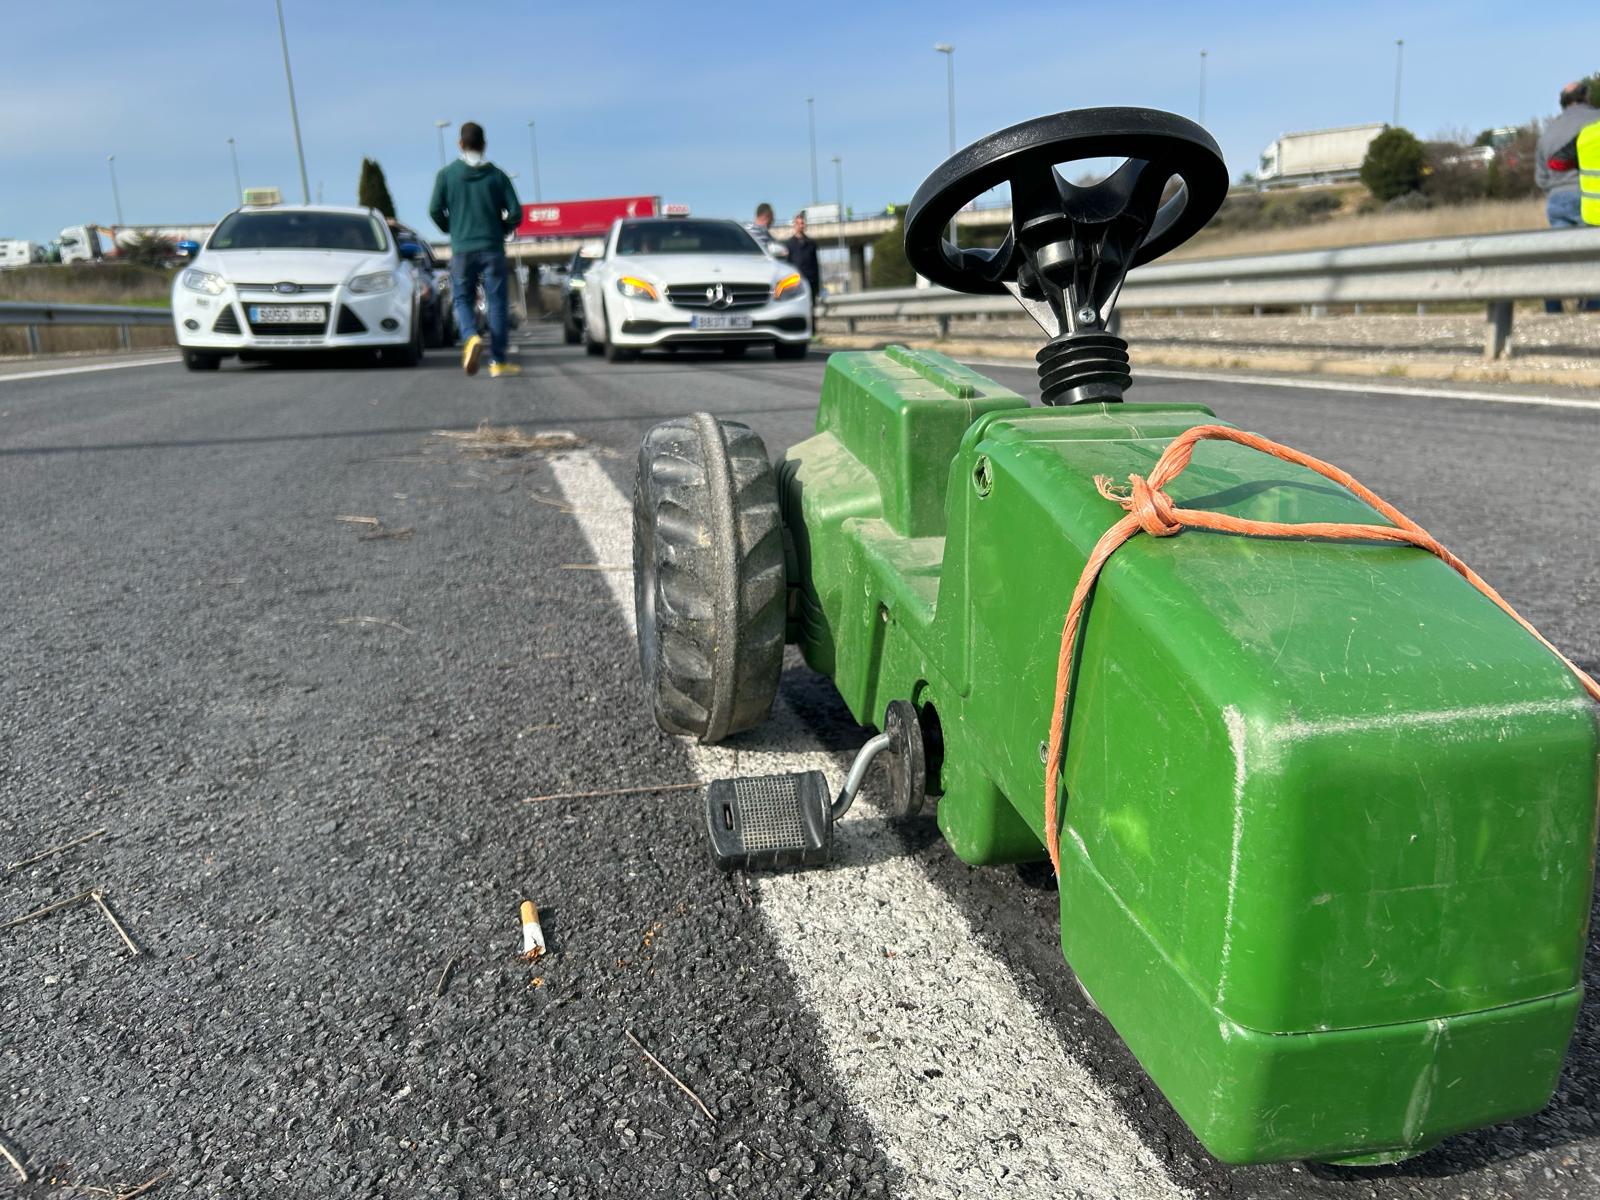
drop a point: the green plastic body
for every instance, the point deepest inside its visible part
(1328, 823)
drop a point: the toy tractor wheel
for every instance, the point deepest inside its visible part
(709, 583)
(907, 764)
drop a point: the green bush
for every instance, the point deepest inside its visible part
(1409, 202)
(1241, 210)
(373, 190)
(890, 268)
(1393, 165)
(1450, 178)
(1306, 207)
(1510, 175)
(1245, 211)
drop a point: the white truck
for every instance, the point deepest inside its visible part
(1316, 156)
(81, 243)
(18, 252)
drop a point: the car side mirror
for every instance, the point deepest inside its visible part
(410, 251)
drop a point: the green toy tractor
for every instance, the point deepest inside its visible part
(1327, 814)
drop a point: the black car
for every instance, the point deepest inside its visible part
(437, 310)
(572, 289)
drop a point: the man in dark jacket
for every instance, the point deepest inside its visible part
(474, 202)
(803, 258)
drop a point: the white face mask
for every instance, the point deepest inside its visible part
(472, 158)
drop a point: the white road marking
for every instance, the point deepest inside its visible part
(1331, 385)
(111, 366)
(968, 1087)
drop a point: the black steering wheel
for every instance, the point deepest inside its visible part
(1070, 244)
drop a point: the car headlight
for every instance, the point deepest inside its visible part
(789, 283)
(636, 289)
(377, 281)
(202, 281)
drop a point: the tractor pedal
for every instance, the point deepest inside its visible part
(770, 821)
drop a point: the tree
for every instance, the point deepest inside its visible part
(149, 250)
(1393, 165)
(373, 191)
(890, 267)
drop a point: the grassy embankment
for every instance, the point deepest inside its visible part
(79, 283)
(1322, 218)
(1346, 215)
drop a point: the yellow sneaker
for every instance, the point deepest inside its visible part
(500, 370)
(471, 353)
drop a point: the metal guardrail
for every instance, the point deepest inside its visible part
(1494, 269)
(123, 317)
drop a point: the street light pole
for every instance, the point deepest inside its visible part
(294, 110)
(238, 186)
(844, 250)
(1202, 87)
(811, 125)
(1399, 59)
(116, 196)
(440, 127)
(949, 52)
(533, 144)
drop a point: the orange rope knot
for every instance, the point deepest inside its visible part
(1150, 510)
(1154, 508)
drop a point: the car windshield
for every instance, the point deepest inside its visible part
(685, 237)
(288, 229)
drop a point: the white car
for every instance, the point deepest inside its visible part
(295, 278)
(674, 281)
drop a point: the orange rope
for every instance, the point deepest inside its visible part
(1150, 509)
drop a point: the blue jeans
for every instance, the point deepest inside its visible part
(466, 271)
(1563, 210)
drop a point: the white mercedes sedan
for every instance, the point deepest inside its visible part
(282, 278)
(678, 281)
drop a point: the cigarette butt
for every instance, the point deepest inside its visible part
(532, 935)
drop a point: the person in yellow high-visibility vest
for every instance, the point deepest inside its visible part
(1555, 169)
(1588, 143)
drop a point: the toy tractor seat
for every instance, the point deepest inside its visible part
(1326, 812)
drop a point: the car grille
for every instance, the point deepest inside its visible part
(741, 295)
(227, 321)
(305, 289)
(349, 322)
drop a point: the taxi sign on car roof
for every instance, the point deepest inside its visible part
(262, 197)
(675, 210)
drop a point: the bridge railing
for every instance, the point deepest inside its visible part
(123, 317)
(1493, 269)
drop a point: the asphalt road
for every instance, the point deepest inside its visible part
(310, 747)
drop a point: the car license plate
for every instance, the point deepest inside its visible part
(720, 321)
(288, 314)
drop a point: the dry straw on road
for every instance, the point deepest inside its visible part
(507, 441)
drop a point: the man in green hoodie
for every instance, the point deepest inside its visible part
(474, 202)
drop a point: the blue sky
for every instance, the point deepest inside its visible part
(702, 103)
